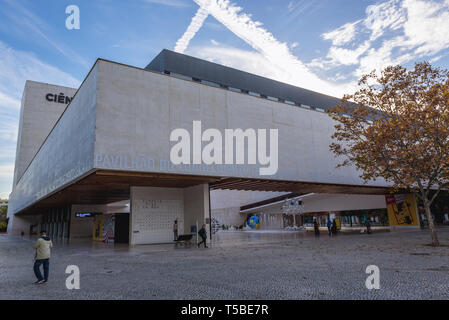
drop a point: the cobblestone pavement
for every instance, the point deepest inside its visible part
(238, 265)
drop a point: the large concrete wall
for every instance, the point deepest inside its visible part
(121, 119)
(138, 109)
(38, 115)
(153, 212)
(66, 154)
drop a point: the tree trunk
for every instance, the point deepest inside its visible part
(432, 228)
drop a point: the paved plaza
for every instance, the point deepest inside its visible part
(238, 265)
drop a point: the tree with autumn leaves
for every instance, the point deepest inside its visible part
(396, 127)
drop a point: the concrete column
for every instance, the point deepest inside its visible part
(196, 206)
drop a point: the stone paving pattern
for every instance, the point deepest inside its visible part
(238, 265)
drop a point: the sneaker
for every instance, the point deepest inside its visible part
(40, 282)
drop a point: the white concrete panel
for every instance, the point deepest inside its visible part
(196, 207)
(153, 212)
(66, 154)
(138, 109)
(38, 115)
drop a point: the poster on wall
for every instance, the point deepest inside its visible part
(97, 233)
(402, 210)
(103, 227)
(108, 228)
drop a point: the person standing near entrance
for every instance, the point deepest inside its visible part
(175, 230)
(334, 228)
(368, 225)
(42, 256)
(203, 235)
(316, 227)
(329, 226)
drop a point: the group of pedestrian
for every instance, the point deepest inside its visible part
(44, 244)
(202, 233)
(331, 227)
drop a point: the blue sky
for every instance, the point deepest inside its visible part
(322, 45)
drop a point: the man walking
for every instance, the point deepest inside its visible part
(203, 235)
(368, 226)
(329, 226)
(316, 227)
(42, 246)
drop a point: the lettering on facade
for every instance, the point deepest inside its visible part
(143, 163)
(58, 98)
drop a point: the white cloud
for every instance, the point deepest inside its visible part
(15, 68)
(397, 31)
(294, 45)
(427, 26)
(341, 35)
(249, 61)
(18, 66)
(291, 6)
(31, 24)
(195, 25)
(6, 171)
(7, 101)
(276, 54)
(170, 3)
(383, 16)
(214, 42)
(391, 32)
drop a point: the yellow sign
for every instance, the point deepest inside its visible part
(402, 210)
(338, 223)
(98, 227)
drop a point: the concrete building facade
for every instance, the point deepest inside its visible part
(111, 142)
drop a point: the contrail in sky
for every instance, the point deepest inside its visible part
(195, 25)
(275, 52)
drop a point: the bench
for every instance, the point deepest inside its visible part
(184, 239)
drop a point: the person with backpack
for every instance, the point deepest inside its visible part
(175, 230)
(329, 226)
(42, 257)
(368, 226)
(316, 227)
(334, 228)
(203, 234)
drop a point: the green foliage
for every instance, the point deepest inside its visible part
(3, 211)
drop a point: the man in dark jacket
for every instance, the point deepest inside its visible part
(203, 235)
(368, 226)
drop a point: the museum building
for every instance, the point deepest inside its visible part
(95, 161)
